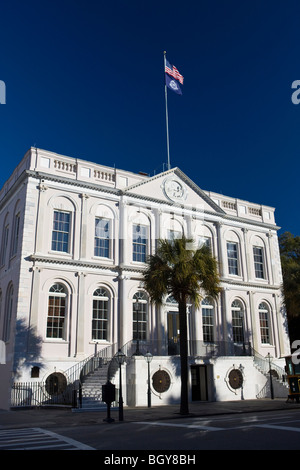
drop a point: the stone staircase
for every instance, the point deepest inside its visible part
(92, 389)
(279, 384)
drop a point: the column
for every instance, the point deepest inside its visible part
(122, 314)
(81, 305)
(35, 308)
(123, 232)
(196, 324)
(221, 258)
(158, 224)
(246, 251)
(270, 260)
(84, 227)
(254, 323)
(226, 321)
(40, 218)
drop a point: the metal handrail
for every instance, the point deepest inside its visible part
(157, 348)
(198, 348)
(263, 364)
(89, 364)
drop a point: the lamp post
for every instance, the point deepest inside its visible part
(120, 359)
(271, 382)
(137, 308)
(148, 356)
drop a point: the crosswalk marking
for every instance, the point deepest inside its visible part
(280, 428)
(215, 428)
(37, 438)
(180, 425)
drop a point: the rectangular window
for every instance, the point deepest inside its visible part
(56, 317)
(140, 323)
(232, 255)
(100, 319)
(258, 262)
(102, 238)
(264, 327)
(237, 327)
(207, 324)
(61, 231)
(139, 243)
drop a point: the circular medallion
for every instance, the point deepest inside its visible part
(161, 381)
(235, 379)
(174, 189)
(56, 383)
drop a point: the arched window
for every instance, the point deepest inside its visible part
(170, 300)
(140, 316)
(8, 312)
(207, 320)
(4, 241)
(16, 231)
(100, 322)
(56, 320)
(264, 323)
(237, 311)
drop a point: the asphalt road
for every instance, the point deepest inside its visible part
(272, 430)
(278, 430)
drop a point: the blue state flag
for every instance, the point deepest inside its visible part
(173, 84)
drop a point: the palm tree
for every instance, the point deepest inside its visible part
(178, 269)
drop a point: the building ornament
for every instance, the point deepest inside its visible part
(42, 187)
(174, 189)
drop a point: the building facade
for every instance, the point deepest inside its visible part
(74, 241)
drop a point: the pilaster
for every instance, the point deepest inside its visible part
(84, 227)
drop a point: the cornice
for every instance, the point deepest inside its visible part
(70, 262)
(250, 285)
(176, 171)
(79, 264)
(73, 182)
(119, 192)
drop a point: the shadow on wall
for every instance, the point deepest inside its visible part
(28, 347)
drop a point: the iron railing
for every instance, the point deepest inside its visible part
(38, 394)
(264, 366)
(196, 348)
(76, 373)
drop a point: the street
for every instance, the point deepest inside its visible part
(262, 431)
(273, 430)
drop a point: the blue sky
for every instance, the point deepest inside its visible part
(86, 79)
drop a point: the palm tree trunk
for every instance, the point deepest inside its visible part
(184, 403)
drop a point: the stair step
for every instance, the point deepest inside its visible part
(92, 390)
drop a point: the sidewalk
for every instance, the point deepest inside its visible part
(48, 418)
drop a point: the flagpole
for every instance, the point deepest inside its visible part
(167, 118)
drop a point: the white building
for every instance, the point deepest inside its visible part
(74, 239)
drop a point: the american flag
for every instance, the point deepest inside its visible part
(172, 70)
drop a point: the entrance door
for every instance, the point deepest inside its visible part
(199, 383)
(173, 333)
